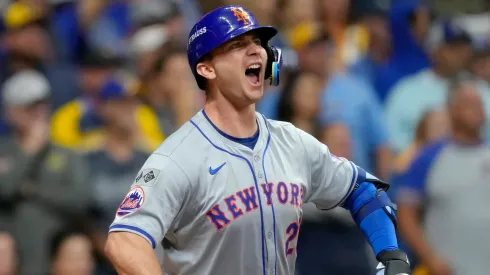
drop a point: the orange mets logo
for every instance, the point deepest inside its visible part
(240, 15)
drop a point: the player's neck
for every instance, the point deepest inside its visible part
(239, 123)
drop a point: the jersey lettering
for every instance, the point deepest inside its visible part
(234, 210)
(292, 233)
(217, 217)
(302, 196)
(282, 192)
(247, 202)
(294, 194)
(196, 34)
(267, 188)
(248, 198)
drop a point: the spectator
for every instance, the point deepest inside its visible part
(477, 24)
(338, 138)
(410, 21)
(299, 101)
(87, 24)
(333, 232)
(379, 49)
(43, 183)
(350, 38)
(312, 58)
(481, 62)
(8, 261)
(349, 100)
(315, 52)
(433, 126)
(146, 46)
(71, 254)
(76, 123)
(168, 12)
(28, 45)
(118, 157)
(296, 13)
(444, 193)
(170, 90)
(416, 94)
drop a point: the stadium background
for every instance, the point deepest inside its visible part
(90, 88)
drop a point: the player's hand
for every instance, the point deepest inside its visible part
(437, 266)
(393, 262)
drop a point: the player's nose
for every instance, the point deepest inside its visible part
(253, 48)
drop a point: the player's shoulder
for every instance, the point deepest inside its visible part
(175, 154)
(277, 125)
(283, 130)
(186, 145)
(177, 141)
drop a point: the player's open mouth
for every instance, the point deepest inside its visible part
(253, 73)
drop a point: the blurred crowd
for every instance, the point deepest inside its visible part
(90, 88)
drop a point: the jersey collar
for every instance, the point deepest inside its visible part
(212, 131)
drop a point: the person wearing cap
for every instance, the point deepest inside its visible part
(115, 154)
(176, 199)
(379, 49)
(29, 44)
(450, 48)
(443, 196)
(43, 185)
(118, 111)
(409, 22)
(77, 120)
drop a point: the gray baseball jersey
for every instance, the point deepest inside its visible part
(227, 209)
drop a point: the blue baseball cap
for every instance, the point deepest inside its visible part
(448, 32)
(117, 87)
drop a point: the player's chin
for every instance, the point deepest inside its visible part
(253, 90)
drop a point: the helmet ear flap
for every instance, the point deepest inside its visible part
(274, 64)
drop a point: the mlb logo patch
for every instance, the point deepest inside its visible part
(150, 176)
(147, 177)
(132, 202)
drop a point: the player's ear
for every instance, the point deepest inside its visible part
(206, 70)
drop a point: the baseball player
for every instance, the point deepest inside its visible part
(224, 192)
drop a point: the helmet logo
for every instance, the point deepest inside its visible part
(240, 15)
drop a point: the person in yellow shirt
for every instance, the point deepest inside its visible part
(81, 124)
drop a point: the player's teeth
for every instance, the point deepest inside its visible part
(254, 66)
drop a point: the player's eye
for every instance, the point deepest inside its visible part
(257, 41)
(234, 45)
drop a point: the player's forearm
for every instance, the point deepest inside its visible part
(377, 225)
(131, 254)
(412, 232)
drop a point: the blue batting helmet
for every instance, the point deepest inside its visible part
(222, 25)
